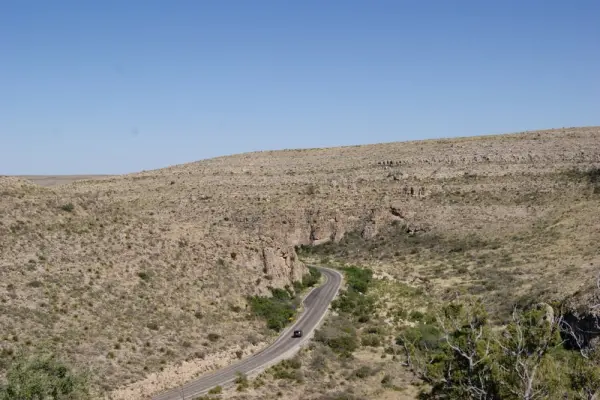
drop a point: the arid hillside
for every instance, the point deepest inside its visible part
(54, 180)
(144, 277)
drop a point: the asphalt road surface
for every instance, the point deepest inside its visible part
(315, 307)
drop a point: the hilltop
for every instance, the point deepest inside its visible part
(144, 277)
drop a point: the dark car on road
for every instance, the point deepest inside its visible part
(297, 333)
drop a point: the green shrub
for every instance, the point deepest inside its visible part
(143, 275)
(288, 369)
(422, 336)
(356, 304)
(281, 294)
(371, 340)
(40, 378)
(69, 207)
(343, 344)
(308, 280)
(293, 363)
(213, 337)
(362, 372)
(216, 390)
(241, 381)
(375, 330)
(340, 335)
(387, 379)
(358, 278)
(152, 325)
(276, 310)
(312, 278)
(353, 300)
(590, 175)
(417, 315)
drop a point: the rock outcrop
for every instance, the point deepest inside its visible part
(581, 317)
(281, 266)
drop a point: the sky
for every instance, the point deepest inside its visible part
(110, 87)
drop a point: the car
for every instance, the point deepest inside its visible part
(297, 333)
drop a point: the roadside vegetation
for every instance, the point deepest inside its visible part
(278, 310)
(354, 308)
(350, 356)
(387, 336)
(308, 280)
(281, 308)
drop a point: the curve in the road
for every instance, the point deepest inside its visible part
(315, 303)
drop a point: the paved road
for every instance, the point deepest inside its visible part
(315, 308)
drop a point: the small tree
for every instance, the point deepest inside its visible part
(525, 344)
(464, 367)
(461, 357)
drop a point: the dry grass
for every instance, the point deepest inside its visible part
(128, 275)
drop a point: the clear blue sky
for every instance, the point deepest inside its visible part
(121, 86)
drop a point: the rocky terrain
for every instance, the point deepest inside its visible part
(144, 277)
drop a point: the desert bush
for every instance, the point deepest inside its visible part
(371, 340)
(288, 369)
(143, 275)
(311, 189)
(422, 336)
(69, 207)
(340, 335)
(152, 325)
(277, 310)
(43, 377)
(353, 301)
(386, 380)
(358, 278)
(308, 280)
(312, 278)
(241, 381)
(293, 363)
(416, 315)
(355, 304)
(216, 390)
(213, 337)
(590, 175)
(362, 372)
(318, 362)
